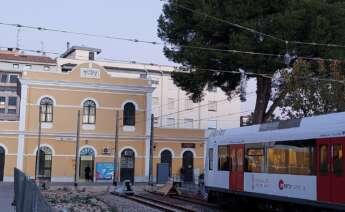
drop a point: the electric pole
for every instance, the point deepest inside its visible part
(151, 152)
(116, 144)
(77, 152)
(38, 146)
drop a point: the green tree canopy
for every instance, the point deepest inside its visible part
(294, 20)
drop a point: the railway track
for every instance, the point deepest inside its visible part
(195, 201)
(157, 203)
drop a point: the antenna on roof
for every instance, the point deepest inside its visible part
(42, 48)
(68, 45)
(19, 30)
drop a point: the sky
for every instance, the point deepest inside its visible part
(129, 18)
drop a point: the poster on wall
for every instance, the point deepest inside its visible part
(104, 171)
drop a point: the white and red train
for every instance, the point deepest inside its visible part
(292, 163)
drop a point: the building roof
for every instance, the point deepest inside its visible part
(15, 56)
(73, 48)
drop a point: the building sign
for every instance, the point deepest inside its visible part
(104, 171)
(303, 187)
(188, 145)
(90, 73)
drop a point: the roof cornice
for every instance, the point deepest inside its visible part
(92, 86)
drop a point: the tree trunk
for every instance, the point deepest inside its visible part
(263, 94)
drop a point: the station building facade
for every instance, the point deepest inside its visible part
(55, 97)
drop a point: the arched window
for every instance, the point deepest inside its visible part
(89, 112)
(129, 114)
(46, 106)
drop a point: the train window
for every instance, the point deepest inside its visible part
(323, 157)
(255, 158)
(291, 157)
(223, 158)
(338, 159)
(210, 159)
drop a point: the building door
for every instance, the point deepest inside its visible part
(187, 166)
(87, 161)
(330, 170)
(2, 163)
(45, 163)
(127, 165)
(236, 167)
(166, 157)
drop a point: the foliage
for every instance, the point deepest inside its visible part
(307, 97)
(301, 20)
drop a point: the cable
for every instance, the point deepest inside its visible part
(234, 51)
(254, 31)
(30, 50)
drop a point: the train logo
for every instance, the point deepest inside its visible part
(281, 184)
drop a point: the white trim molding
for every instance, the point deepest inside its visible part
(92, 99)
(44, 145)
(5, 148)
(148, 133)
(88, 146)
(128, 128)
(166, 148)
(130, 101)
(128, 147)
(44, 96)
(22, 118)
(188, 149)
(47, 125)
(89, 86)
(88, 126)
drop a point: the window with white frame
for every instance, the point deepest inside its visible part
(188, 123)
(129, 114)
(13, 78)
(46, 105)
(188, 104)
(212, 124)
(27, 67)
(89, 112)
(212, 106)
(171, 103)
(171, 123)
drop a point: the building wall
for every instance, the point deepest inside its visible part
(227, 114)
(68, 91)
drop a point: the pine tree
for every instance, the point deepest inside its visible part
(295, 20)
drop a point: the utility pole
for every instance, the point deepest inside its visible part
(116, 144)
(151, 151)
(38, 146)
(77, 152)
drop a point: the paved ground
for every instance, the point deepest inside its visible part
(6, 196)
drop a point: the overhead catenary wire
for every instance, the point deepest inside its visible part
(135, 40)
(254, 31)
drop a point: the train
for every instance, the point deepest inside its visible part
(288, 165)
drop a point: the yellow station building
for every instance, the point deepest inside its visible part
(55, 97)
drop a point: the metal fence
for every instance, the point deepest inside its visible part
(27, 196)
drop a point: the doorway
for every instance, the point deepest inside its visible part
(330, 170)
(166, 157)
(127, 165)
(87, 161)
(187, 166)
(44, 163)
(236, 167)
(2, 163)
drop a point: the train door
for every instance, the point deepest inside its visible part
(236, 167)
(330, 170)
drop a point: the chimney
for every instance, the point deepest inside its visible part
(68, 45)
